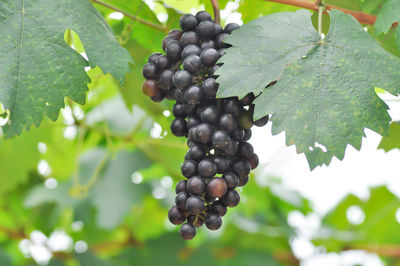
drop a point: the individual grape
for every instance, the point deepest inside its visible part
(217, 29)
(248, 99)
(180, 186)
(193, 95)
(178, 111)
(180, 199)
(194, 205)
(176, 216)
(209, 56)
(178, 94)
(219, 40)
(188, 22)
(223, 163)
(232, 180)
(227, 122)
(187, 231)
(182, 79)
(247, 134)
(158, 97)
(232, 106)
(217, 187)
(243, 180)
(241, 167)
(213, 221)
(189, 108)
(190, 37)
(205, 29)
(166, 79)
(166, 41)
(207, 44)
(191, 49)
(189, 168)
(262, 121)
(221, 51)
(192, 137)
(196, 185)
(245, 120)
(162, 62)
(238, 134)
(246, 149)
(211, 71)
(175, 33)
(150, 87)
(231, 27)
(203, 16)
(232, 148)
(208, 198)
(204, 132)
(149, 71)
(231, 198)
(218, 207)
(253, 160)
(153, 57)
(220, 139)
(196, 220)
(192, 63)
(174, 50)
(192, 121)
(207, 168)
(197, 152)
(209, 88)
(178, 127)
(210, 114)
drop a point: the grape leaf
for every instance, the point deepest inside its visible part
(323, 100)
(387, 16)
(38, 69)
(392, 140)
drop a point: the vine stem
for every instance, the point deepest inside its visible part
(133, 17)
(217, 13)
(362, 17)
(320, 14)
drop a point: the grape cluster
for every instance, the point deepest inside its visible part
(219, 158)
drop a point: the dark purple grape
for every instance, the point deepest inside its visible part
(210, 114)
(262, 121)
(232, 148)
(174, 51)
(187, 231)
(227, 122)
(221, 51)
(149, 71)
(189, 108)
(158, 97)
(166, 41)
(211, 71)
(213, 221)
(192, 135)
(231, 198)
(193, 95)
(194, 205)
(175, 33)
(191, 49)
(217, 187)
(232, 180)
(178, 94)
(207, 168)
(204, 132)
(162, 62)
(153, 57)
(188, 22)
(197, 152)
(196, 185)
(220, 139)
(192, 63)
(209, 56)
(182, 79)
(203, 16)
(207, 44)
(192, 121)
(150, 88)
(253, 160)
(209, 87)
(241, 167)
(231, 27)
(238, 134)
(219, 207)
(178, 127)
(246, 149)
(205, 29)
(180, 186)
(243, 180)
(217, 29)
(223, 163)
(248, 99)
(166, 79)
(232, 106)
(180, 199)
(208, 198)
(178, 111)
(190, 37)
(247, 134)
(245, 120)
(219, 40)
(176, 216)
(189, 168)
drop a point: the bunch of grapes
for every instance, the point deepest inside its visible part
(219, 158)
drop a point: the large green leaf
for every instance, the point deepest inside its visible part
(387, 16)
(392, 140)
(38, 69)
(325, 97)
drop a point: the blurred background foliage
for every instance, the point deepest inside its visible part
(94, 187)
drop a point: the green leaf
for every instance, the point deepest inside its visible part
(39, 69)
(387, 16)
(323, 100)
(392, 140)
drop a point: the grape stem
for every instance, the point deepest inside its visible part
(320, 14)
(217, 15)
(362, 17)
(133, 17)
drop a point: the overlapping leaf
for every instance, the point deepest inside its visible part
(325, 97)
(392, 140)
(38, 69)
